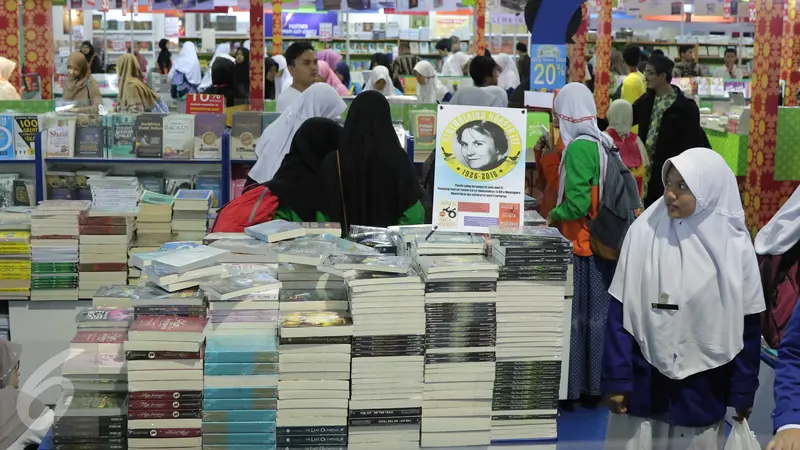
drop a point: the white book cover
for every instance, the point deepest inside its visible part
(178, 141)
(182, 261)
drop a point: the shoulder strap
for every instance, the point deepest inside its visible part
(341, 191)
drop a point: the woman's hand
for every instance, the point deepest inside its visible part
(788, 439)
(618, 403)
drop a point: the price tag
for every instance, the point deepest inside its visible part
(548, 67)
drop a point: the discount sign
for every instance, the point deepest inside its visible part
(548, 67)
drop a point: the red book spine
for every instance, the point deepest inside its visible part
(103, 267)
(165, 404)
(103, 229)
(164, 433)
(95, 221)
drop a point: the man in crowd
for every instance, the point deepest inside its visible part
(729, 70)
(633, 86)
(687, 67)
(484, 72)
(301, 60)
(404, 64)
(669, 123)
(443, 49)
(524, 61)
(455, 44)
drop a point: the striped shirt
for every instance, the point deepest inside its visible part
(404, 64)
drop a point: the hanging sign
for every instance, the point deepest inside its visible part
(548, 67)
(480, 159)
(204, 103)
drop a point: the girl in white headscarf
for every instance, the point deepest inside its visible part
(7, 90)
(429, 88)
(581, 171)
(381, 81)
(284, 78)
(509, 77)
(454, 65)
(684, 333)
(319, 100)
(222, 51)
(185, 73)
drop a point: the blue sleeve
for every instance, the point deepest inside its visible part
(617, 375)
(744, 379)
(447, 97)
(787, 375)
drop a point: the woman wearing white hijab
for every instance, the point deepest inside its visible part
(381, 81)
(222, 51)
(509, 77)
(581, 171)
(684, 336)
(454, 65)
(429, 88)
(284, 78)
(319, 100)
(185, 73)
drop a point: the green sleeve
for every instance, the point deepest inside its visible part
(322, 217)
(287, 215)
(582, 166)
(415, 215)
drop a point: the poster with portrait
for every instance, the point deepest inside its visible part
(480, 168)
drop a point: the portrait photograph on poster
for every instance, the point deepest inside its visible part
(480, 168)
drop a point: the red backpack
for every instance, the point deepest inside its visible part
(779, 279)
(628, 148)
(256, 205)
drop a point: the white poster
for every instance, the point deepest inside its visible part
(480, 168)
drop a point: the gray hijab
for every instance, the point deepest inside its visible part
(17, 409)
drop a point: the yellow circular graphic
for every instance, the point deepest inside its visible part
(481, 145)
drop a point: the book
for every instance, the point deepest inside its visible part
(60, 138)
(182, 261)
(455, 263)
(316, 323)
(120, 136)
(128, 295)
(6, 137)
(89, 139)
(275, 231)
(332, 228)
(230, 287)
(25, 129)
(313, 300)
(193, 200)
(245, 133)
(178, 141)
(149, 135)
(208, 131)
(177, 329)
(342, 265)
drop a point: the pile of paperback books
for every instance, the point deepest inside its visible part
(15, 265)
(104, 241)
(244, 302)
(91, 421)
(530, 331)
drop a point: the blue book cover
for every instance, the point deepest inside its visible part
(6, 137)
(227, 404)
(242, 392)
(212, 368)
(242, 349)
(194, 194)
(210, 182)
(178, 245)
(238, 438)
(240, 416)
(238, 427)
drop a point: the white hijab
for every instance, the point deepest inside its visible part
(319, 100)
(433, 90)
(480, 96)
(285, 80)
(454, 65)
(783, 230)
(381, 73)
(222, 51)
(509, 77)
(704, 263)
(577, 119)
(188, 64)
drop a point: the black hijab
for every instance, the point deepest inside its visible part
(164, 57)
(269, 86)
(94, 61)
(297, 182)
(241, 75)
(221, 78)
(377, 177)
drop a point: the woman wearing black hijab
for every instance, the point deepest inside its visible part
(221, 78)
(378, 185)
(270, 73)
(164, 57)
(241, 74)
(95, 64)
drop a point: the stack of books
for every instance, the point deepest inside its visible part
(135, 273)
(241, 391)
(166, 389)
(190, 214)
(54, 249)
(4, 327)
(114, 193)
(153, 221)
(460, 350)
(244, 249)
(314, 378)
(244, 303)
(15, 265)
(104, 240)
(530, 331)
(175, 270)
(91, 421)
(96, 361)
(388, 349)
(127, 296)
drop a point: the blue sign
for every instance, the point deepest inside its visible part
(548, 67)
(300, 24)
